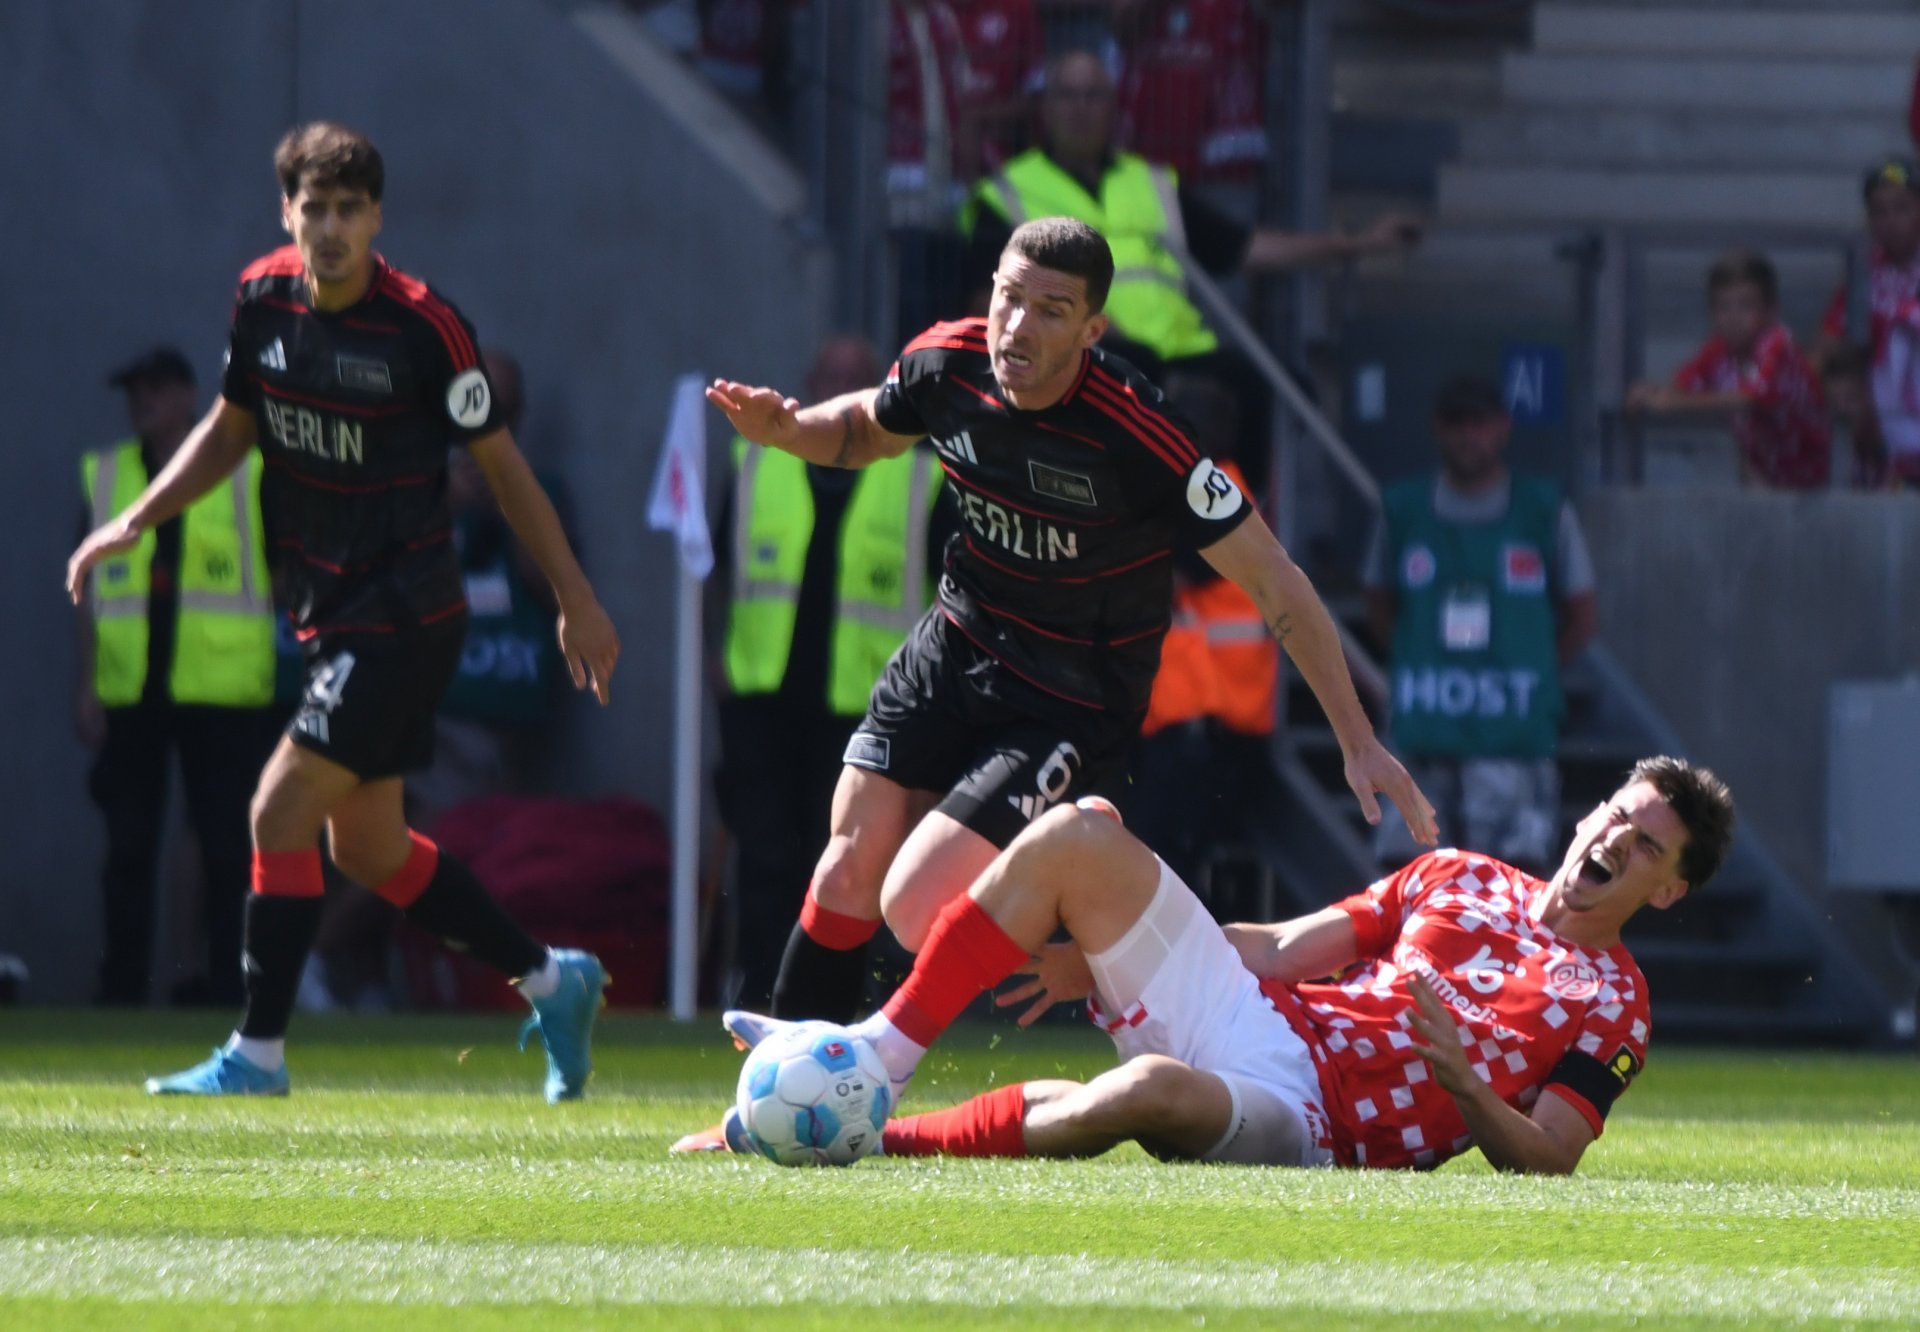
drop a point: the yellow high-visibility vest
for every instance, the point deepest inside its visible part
(223, 635)
(882, 585)
(1138, 211)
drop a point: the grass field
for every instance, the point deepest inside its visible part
(416, 1181)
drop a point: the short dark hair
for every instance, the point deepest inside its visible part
(1749, 268)
(1702, 803)
(329, 156)
(1468, 398)
(1067, 245)
(1847, 360)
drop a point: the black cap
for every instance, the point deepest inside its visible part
(1467, 398)
(1893, 171)
(162, 363)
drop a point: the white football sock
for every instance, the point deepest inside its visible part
(269, 1056)
(897, 1051)
(543, 980)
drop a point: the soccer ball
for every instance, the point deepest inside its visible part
(814, 1094)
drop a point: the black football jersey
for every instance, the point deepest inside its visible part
(1062, 569)
(357, 409)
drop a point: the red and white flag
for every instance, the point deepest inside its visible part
(679, 503)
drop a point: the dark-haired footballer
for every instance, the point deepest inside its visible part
(1027, 680)
(354, 380)
(1470, 1004)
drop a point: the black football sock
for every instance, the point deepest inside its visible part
(816, 981)
(456, 907)
(279, 935)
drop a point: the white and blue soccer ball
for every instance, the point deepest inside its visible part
(814, 1094)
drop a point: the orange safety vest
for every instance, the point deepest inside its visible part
(1217, 660)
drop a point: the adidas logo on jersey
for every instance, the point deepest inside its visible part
(275, 356)
(959, 448)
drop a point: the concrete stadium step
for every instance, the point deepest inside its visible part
(1396, 83)
(1692, 138)
(1819, 32)
(1880, 86)
(1812, 199)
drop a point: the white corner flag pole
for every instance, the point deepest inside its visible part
(686, 796)
(679, 505)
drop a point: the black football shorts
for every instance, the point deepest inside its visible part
(370, 697)
(947, 716)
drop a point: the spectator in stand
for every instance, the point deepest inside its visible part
(1191, 75)
(744, 47)
(1150, 219)
(1883, 302)
(1753, 372)
(1480, 585)
(926, 71)
(1846, 378)
(1006, 52)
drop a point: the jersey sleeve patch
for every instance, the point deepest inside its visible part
(469, 399)
(1211, 493)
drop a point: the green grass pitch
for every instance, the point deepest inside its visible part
(416, 1181)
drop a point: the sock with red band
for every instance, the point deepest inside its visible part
(283, 915)
(457, 907)
(966, 953)
(823, 973)
(412, 878)
(989, 1125)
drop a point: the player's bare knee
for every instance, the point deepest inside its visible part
(1078, 850)
(842, 883)
(1154, 1092)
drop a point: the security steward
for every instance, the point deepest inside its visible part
(175, 657)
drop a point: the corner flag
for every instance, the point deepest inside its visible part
(679, 501)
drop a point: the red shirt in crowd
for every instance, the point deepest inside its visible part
(1785, 441)
(1536, 1012)
(1006, 52)
(1191, 89)
(907, 91)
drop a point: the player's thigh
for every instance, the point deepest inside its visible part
(871, 817)
(297, 789)
(939, 860)
(367, 832)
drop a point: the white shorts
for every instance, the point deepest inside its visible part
(1175, 986)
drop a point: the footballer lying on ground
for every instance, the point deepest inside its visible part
(1470, 1005)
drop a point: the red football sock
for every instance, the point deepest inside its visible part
(990, 1125)
(834, 929)
(412, 878)
(288, 873)
(966, 952)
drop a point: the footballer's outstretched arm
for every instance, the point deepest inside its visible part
(840, 432)
(1252, 557)
(210, 451)
(587, 637)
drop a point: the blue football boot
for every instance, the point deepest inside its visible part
(564, 1020)
(226, 1073)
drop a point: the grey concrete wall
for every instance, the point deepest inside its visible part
(1736, 611)
(529, 180)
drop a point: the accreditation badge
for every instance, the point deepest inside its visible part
(1466, 618)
